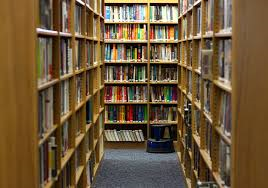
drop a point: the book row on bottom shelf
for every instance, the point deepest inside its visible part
(124, 135)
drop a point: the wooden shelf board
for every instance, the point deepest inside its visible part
(126, 41)
(195, 174)
(124, 62)
(79, 71)
(101, 87)
(163, 41)
(80, 2)
(189, 96)
(197, 37)
(79, 36)
(218, 179)
(66, 158)
(224, 34)
(101, 110)
(78, 173)
(165, 62)
(65, 117)
(183, 40)
(224, 86)
(46, 32)
(47, 135)
(95, 91)
(163, 23)
(119, 103)
(164, 123)
(164, 102)
(130, 123)
(208, 117)
(161, 83)
(198, 71)
(66, 76)
(163, 2)
(80, 105)
(47, 84)
(197, 104)
(88, 126)
(88, 154)
(88, 97)
(206, 158)
(197, 3)
(225, 138)
(125, 22)
(78, 139)
(132, 83)
(64, 34)
(208, 35)
(197, 140)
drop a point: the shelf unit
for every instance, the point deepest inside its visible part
(199, 141)
(145, 126)
(78, 129)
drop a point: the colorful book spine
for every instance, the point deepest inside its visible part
(126, 73)
(66, 66)
(126, 13)
(126, 32)
(126, 94)
(126, 113)
(163, 113)
(163, 93)
(163, 52)
(163, 73)
(123, 52)
(164, 32)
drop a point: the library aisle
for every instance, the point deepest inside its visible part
(135, 168)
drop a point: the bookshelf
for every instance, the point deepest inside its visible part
(139, 43)
(70, 74)
(205, 90)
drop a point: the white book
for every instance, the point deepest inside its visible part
(138, 135)
(134, 136)
(141, 135)
(116, 136)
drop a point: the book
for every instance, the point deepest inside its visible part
(89, 112)
(46, 14)
(65, 138)
(89, 174)
(163, 52)
(78, 54)
(207, 96)
(163, 73)
(44, 60)
(206, 64)
(199, 20)
(66, 16)
(126, 73)
(126, 94)
(45, 111)
(95, 25)
(199, 56)
(209, 9)
(197, 120)
(124, 52)
(77, 156)
(189, 82)
(225, 114)
(184, 27)
(66, 66)
(225, 163)
(89, 53)
(126, 13)
(78, 87)
(65, 94)
(164, 33)
(224, 61)
(47, 161)
(78, 122)
(225, 15)
(164, 13)
(163, 113)
(163, 93)
(198, 88)
(208, 137)
(78, 19)
(196, 156)
(125, 113)
(126, 32)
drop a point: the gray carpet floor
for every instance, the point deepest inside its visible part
(134, 168)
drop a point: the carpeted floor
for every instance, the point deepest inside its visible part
(134, 168)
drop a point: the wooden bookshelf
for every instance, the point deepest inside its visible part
(192, 86)
(89, 74)
(146, 63)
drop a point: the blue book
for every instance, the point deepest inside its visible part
(108, 12)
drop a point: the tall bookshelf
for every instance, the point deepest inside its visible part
(148, 84)
(205, 90)
(70, 81)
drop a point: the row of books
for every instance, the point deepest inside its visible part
(124, 135)
(164, 32)
(45, 111)
(224, 60)
(163, 52)
(47, 161)
(163, 93)
(44, 60)
(66, 66)
(167, 13)
(225, 163)
(126, 94)
(184, 5)
(120, 52)
(126, 32)
(66, 16)
(126, 13)
(126, 73)
(163, 73)
(46, 14)
(78, 19)
(225, 15)
(65, 94)
(163, 114)
(78, 86)
(209, 10)
(126, 113)
(225, 114)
